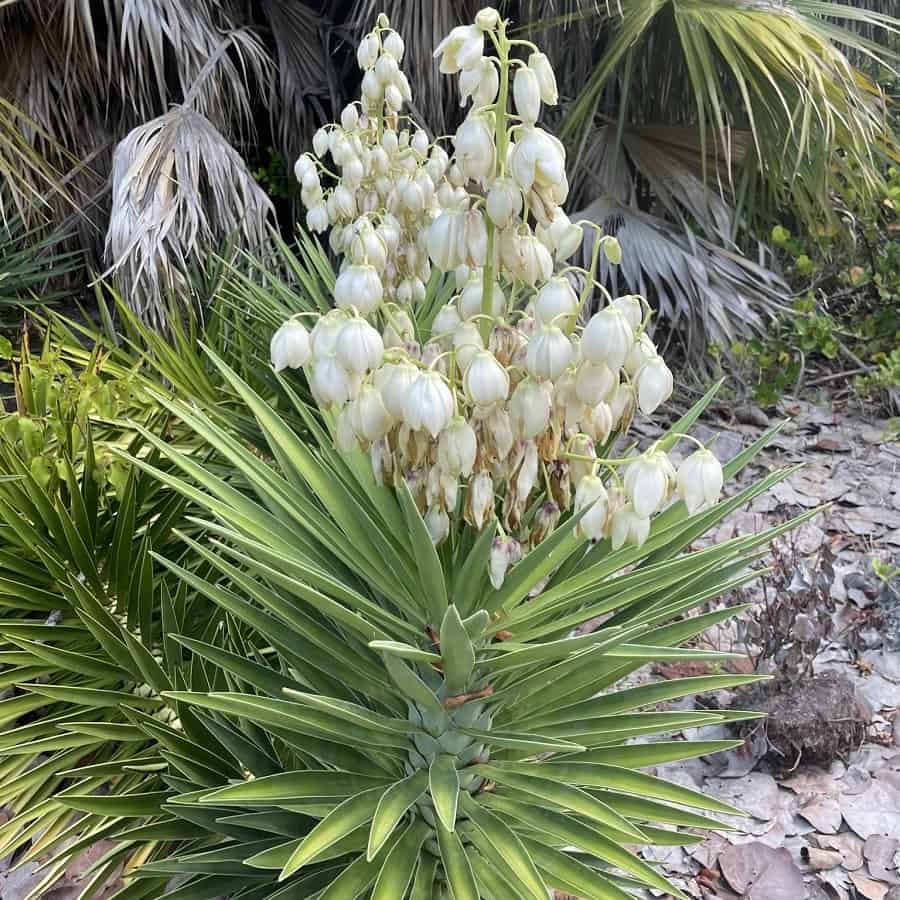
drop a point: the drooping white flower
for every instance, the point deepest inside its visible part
(485, 381)
(345, 437)
(359, 286)
(556, 302)
(642, 351)
(323, 338)
(648, 482)
(331, 382)
(700, 480)
(546, 77)
(467, 341)
(623, 405)
(446, 239)
(369, 416)
(475, 149)
(359, 346)
(505, 552)
(607, 338)
(446, 321)
(631, 306)
(475, 239)
(480, 83)
(393, 45)
(350, 117)
(598, 422)
(321, 142)
(549, 353)
(461, 49)
(480, 500)
(654, 385)
(428, 404)
(457, 448)
(525, 258)
(289, 347)
(317, 219)
(487, 18)
(303, 166)
(367, 51)
(527, 94)
(394, 380)
(590, 494)
(504, 202)
(529, 409)
(438, 523)
(399, 330)
(594, 382)
(537, 159)
(629, 528)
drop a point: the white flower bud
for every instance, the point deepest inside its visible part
(457, 448)
(446, 239)
(386, 69)
(648, 482)
(541, 67)
(467, 341)
(654, 385)
(367, 51)
(549, 353)
(590, 494)
(393, 45)
(438, 523)
(629, 528)
(371, 86)
(485, 381)
(463, 48)
(529, 409)
(487, 18)
(474, 144)
(556, 302)
(472, 295)
(428, 404)
(594, 383)
(632, 308)
(394, 381)
(480, 500)
(369, 416)
(289, 347)
(390, 143)
(331, 382)
(700, 481)
(446, 321)
(303, 166)
(527, 95)
(504, 202)
(607, 338)
(598, 422)
(359, 347)
(481, 83)
(359, 286)
(321, 142)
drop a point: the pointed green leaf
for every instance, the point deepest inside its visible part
(457, 652)
(392, 806)
(443, 785)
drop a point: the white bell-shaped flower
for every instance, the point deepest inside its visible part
(323, 338)
(359, 346)
(598, 422)
(700, 480)
(487, 18)
(393, 45)
(556, 302)
(446, 239)
(369, 416)
(623, 404)
(331, 382)
(303, 166)
(631, 306)
(368, 50)
(345, 437)
(321, 142)
(562, 237)
(527, 95)
(350, 117)
(549, 353)
(540, 65)
(594, 382)
(654, 385)
(607, 338)
(394, 380)
(438, 524)
(317, 219)
(629, 528)
(485, 382)
(457, 448)
(503, 202)
(344, 202)
(480, 83)
(472, 295)
(641, 352)
(474, 143)
(359, 286)
(289, 347)
(446, 321)
(590, 494)
(467, 341)
(428, 404)
(461, 49)
(525, 257)
(529, 409)
(480, 500)
(648, 482)
(538, 159)
(476, 239)
(505, 552)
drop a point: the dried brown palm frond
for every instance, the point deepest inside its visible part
(178, 187)
(299, 34)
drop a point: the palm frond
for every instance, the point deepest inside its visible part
(178, 186)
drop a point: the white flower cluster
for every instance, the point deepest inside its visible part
(502, 405)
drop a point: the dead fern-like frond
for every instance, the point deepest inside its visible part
(178, 187)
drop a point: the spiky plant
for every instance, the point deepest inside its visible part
(402, 727)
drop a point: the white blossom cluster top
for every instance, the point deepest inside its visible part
(503, 404)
